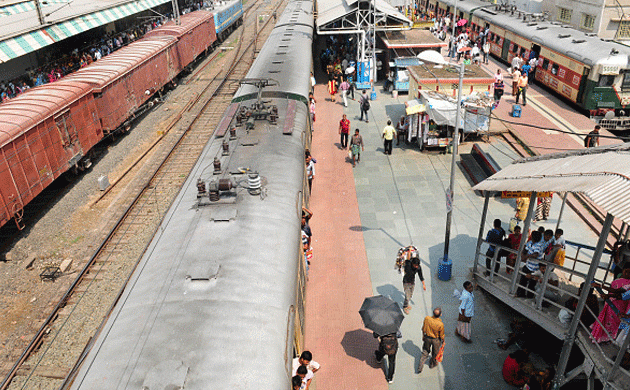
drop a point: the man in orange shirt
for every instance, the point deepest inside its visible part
(433, 337)
(522, 89)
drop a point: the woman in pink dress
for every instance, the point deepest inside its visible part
(607, 317)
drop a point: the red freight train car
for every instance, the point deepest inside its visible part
(195, 34)
(43, 133)
(124, 80)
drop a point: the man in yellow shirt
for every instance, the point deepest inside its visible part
(522, 88)
(388, 135)
(433, 337)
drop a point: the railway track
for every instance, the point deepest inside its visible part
(54, 353)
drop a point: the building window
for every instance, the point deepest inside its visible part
(588, 22)
(564, 14)
(625, 83)
(624, 29)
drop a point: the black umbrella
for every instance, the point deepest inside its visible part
(381, 315)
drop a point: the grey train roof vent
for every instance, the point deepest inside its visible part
(562, 36)
(578, 41)
(532, 24)
(541, 28)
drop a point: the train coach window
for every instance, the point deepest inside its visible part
(515, 48)
(523, 51)
(497, 38)
(606, 81)
(554, 69)
(625, 83)
(545, 64)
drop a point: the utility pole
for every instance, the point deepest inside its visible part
(176, 12)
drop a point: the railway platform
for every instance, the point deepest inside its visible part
(363, 215)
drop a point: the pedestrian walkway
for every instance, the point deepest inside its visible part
(363, 215)
(548, 111)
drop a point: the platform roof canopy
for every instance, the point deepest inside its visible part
(21, 31)
(343, 16)
(602, 174)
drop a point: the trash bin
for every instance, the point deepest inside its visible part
(445, 267)
(394, 94)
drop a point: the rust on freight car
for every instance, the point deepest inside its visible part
(195, 34)
(43, 133)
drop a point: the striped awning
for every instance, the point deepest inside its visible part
(25, 6)
(35, 40)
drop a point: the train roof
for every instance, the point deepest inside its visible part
(297, 13)
(110, 68)
(213, 299)
(187, 23)
(292, 39)
(212, 303)
(35, 105)
(222, 5)
(562, 39)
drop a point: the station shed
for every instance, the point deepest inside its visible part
(363, 19)
(445, 79)
(408, 42)
(602, 175)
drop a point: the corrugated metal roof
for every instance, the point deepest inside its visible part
(331, 10)
(31, 41)
(28, 109)
(602, 174)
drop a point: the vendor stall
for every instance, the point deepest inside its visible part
(431, 118)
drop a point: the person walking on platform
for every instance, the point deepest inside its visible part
(412, 267)
(344, 87)
(466, 312)
(522, 88)
(516, 74)
(592, 138)
(344, 131)
(432, 338)
(388, 345)
(388, 135)
(364, 105)
(356, 146)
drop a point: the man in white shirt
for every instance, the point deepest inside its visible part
(306, 359)
(557, 243)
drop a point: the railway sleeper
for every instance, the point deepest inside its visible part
(43, 371)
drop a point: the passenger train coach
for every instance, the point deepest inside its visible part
(588, 71)
(51, 129)
(217, 299)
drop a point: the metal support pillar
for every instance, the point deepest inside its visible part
(484, 215)
(564, 202)
(521, 245)
(176, 12)
(451, 188)
(40, 15)
(570, 335)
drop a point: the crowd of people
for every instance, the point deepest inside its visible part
(60, 64)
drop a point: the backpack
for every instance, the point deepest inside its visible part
(365, 104)
(390, 344)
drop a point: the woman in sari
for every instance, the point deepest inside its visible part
(608, 318)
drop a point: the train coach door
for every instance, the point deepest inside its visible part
(505, 50)
(582, 88)
(69, 135)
